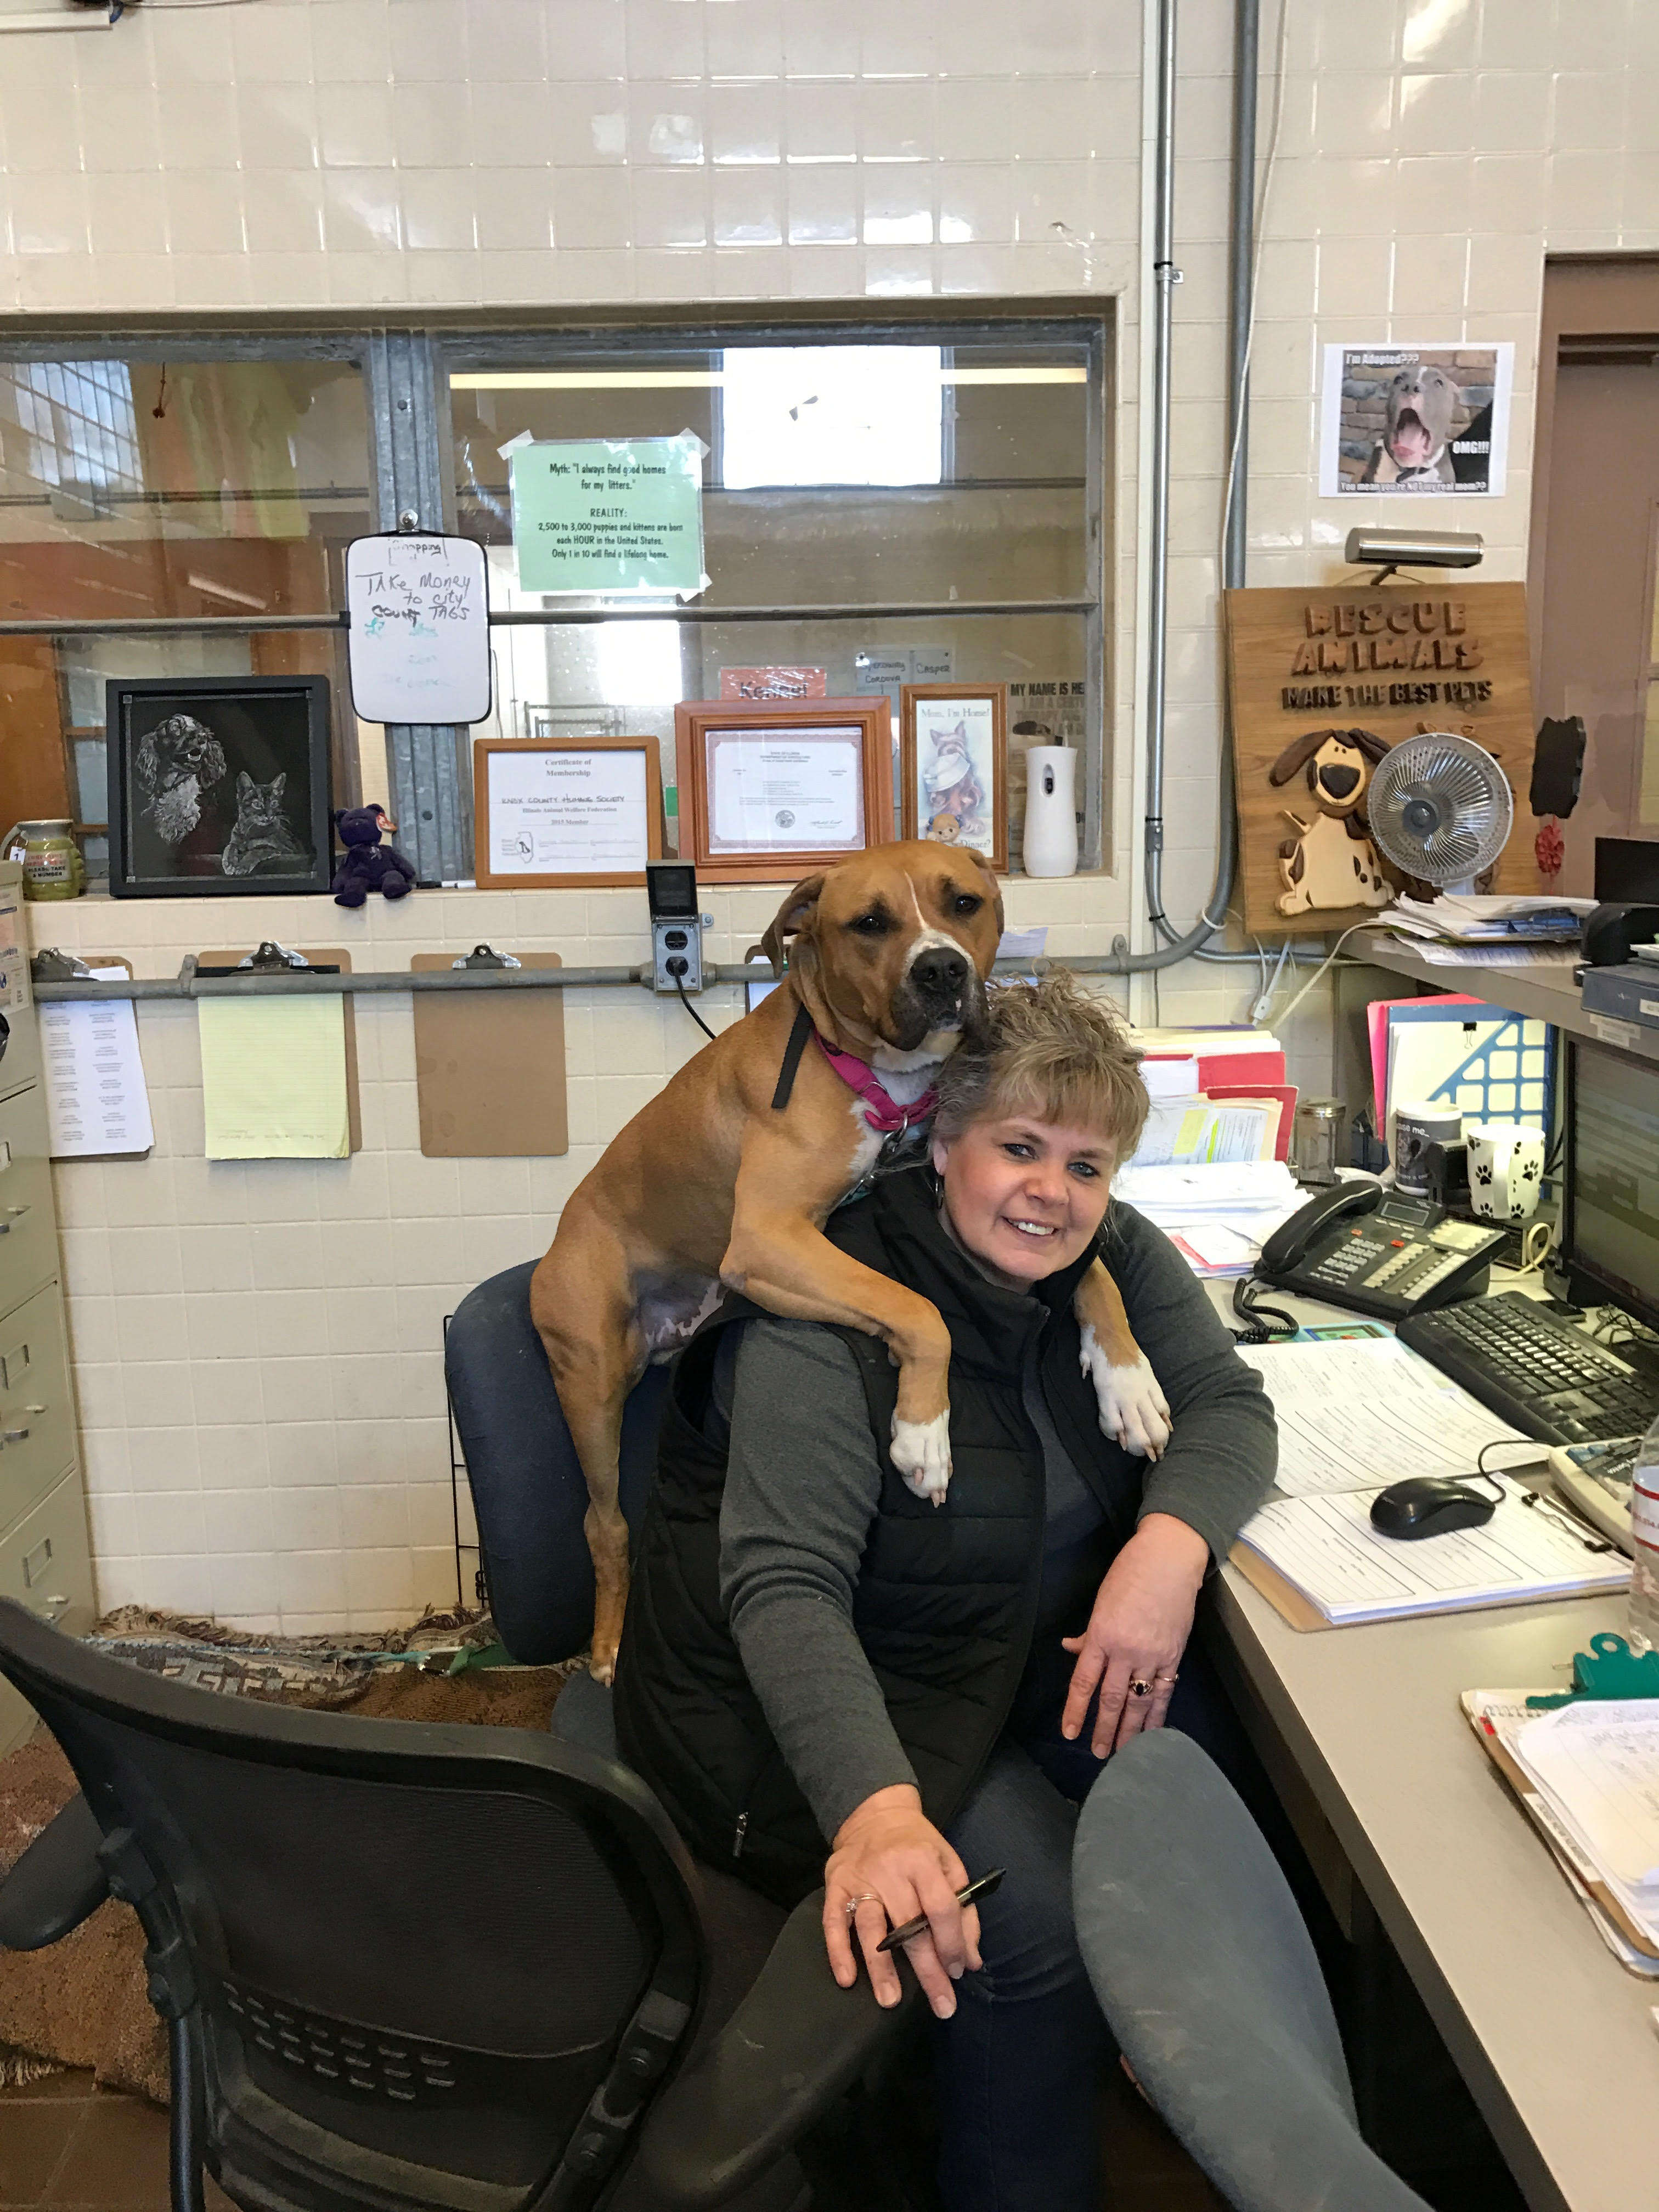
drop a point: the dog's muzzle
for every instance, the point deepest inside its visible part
(941, 990)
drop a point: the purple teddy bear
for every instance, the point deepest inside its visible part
(366, 865)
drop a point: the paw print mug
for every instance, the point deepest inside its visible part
(1506, 1166)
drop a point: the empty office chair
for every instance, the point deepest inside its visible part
(1204, 1970)
(408, 1966)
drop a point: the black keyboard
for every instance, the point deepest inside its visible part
(1533, 1370)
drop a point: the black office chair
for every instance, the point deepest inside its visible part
(1205, 1969)
(408, 1966)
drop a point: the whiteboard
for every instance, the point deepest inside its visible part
(417, 628)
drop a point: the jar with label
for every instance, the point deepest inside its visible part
(53, 866)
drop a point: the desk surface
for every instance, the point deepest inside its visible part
(1555, 2040)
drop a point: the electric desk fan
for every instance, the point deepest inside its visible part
(1439, 807)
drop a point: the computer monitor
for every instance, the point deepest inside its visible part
(1610, 1198)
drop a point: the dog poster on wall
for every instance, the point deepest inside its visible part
(1413, 419)
(953, 766)
(219, 786)
(1321, 682)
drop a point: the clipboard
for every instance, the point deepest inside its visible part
(90, 961)
(489, 1066)
(333, 957)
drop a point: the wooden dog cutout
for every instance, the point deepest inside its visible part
(1331, 862)
(713, 1183)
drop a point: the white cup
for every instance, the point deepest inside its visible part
(1506, 1166)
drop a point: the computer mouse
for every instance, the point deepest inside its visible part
(1429, 1505)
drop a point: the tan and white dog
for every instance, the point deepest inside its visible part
(1331, 862)
(716, 1183)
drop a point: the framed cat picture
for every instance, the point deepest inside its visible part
(953, 766)
(218, 786)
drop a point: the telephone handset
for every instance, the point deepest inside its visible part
(1383, 1252)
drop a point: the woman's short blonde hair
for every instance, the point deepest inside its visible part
(1055, 1052)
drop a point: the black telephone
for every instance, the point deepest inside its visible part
(1383, 1251)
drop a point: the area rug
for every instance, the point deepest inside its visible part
(80, 2003)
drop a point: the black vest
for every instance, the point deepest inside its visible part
(945, 1596)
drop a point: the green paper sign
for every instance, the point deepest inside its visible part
(601, 514)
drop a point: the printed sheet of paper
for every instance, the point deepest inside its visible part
(274, 1078)
(1328, 1549)
(96, 1099)
(1362, 1414)
(569, 813)
(1182, 1132)
(785, 791)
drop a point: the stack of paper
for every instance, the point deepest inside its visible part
(1216, 1213)
(1588, 1774)
(96, 1102)
(1475, 919)
(1356, 1415)
(274, 1078)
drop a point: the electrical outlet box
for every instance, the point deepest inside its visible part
(676, 926)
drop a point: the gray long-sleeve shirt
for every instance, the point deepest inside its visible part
(804, 1479)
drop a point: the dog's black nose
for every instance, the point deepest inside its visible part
(1339, 781)
(940, 972)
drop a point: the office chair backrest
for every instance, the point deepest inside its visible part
(420, 1965)
(528, 1489)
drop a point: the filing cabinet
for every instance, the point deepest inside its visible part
(45, 1559)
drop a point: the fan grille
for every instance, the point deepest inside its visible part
(1439, 807)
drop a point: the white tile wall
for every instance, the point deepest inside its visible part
(257, 1347)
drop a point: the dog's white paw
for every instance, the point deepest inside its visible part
(921, 1453)
(1133, 1411)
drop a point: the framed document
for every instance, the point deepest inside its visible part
(563, 813)
(953, 766)
(768, 788)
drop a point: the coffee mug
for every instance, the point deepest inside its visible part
(1415, 1128)
(1506, 1166)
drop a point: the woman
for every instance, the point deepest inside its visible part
(813, 1655)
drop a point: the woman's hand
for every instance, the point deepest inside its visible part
(890, 1862)
(1138, 1630)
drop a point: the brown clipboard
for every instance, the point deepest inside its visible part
(489, 1069)
(320, 955)
(113, 1159)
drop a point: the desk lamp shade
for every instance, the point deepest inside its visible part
(1440, 809)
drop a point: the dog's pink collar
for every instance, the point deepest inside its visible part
(883, 1112)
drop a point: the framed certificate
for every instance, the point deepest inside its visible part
(953, 766)
(770, 788)
(563, 813)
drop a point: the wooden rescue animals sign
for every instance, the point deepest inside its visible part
(1321, 682)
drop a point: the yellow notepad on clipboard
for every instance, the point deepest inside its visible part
(274, 1078)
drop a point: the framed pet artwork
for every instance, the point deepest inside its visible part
(953, 766)
(218, 786)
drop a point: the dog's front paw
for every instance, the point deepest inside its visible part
(1133, 1411)
(921, 1453)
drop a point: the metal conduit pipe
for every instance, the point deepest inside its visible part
(187, 984)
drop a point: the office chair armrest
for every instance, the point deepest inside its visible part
(794, 2045)
(58, 1882)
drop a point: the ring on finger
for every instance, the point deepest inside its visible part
(867, 1897)
(1139, 1686)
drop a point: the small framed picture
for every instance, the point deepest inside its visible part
(218, 786)
(563, 813)
(953, 766)
(770, 787)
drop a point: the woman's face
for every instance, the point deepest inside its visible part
(1025, 1196)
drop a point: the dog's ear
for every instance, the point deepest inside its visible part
(1297, 755)
(991, 884)
(792, 917)
(1370, 743)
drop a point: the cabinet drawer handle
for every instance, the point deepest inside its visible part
(12, 1436)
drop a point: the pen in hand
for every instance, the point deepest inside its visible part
(985, 1887)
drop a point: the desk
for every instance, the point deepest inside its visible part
(1553, 2037)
